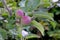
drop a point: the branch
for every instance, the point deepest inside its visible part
(5, 6)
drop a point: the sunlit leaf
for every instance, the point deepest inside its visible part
(38, 26)
(32, 36)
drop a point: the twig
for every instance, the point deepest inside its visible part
(5, 6)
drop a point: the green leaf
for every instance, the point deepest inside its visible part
(38, 26)
(9, 26)
(31, 5)
(3, 33)
(44, 15)
(51, 14)
(32, 36)
(46, 3)
(55, 34)
(53, 23)
(5, 15)
(1, 5)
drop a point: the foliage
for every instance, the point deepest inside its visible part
(40, 14)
